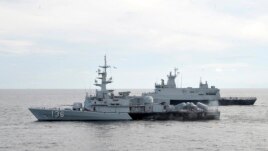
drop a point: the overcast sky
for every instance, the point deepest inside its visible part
(60, 43)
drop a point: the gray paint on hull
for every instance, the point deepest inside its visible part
(70, 115)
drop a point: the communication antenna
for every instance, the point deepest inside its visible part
(181, 79)
(181, 76)
(89, 88)
(202, 73)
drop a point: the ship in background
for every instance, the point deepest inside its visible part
(169, 93)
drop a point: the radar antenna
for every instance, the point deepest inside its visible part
(103, 76)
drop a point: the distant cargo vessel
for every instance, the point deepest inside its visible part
(169, 93)
(237, 100)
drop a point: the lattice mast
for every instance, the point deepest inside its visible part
(103, 76)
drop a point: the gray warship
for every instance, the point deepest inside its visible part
(105, 105)
(170, 94)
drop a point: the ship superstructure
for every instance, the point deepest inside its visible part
(104, 105)
(169, 93)
(105, 98)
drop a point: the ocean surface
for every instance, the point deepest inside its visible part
(239, 128)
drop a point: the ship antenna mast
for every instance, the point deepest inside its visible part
(103, 76)
(181, 79)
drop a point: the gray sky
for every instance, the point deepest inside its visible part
(60, 43)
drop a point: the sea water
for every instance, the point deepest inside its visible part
(239, 127)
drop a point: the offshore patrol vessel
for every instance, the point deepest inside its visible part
(170, 94)
(104, 105)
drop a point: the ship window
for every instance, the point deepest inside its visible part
(210, 93)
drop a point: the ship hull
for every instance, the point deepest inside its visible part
(175, 102)
(237, 101)
(180, 116)
(222, 101)
(71, 115)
